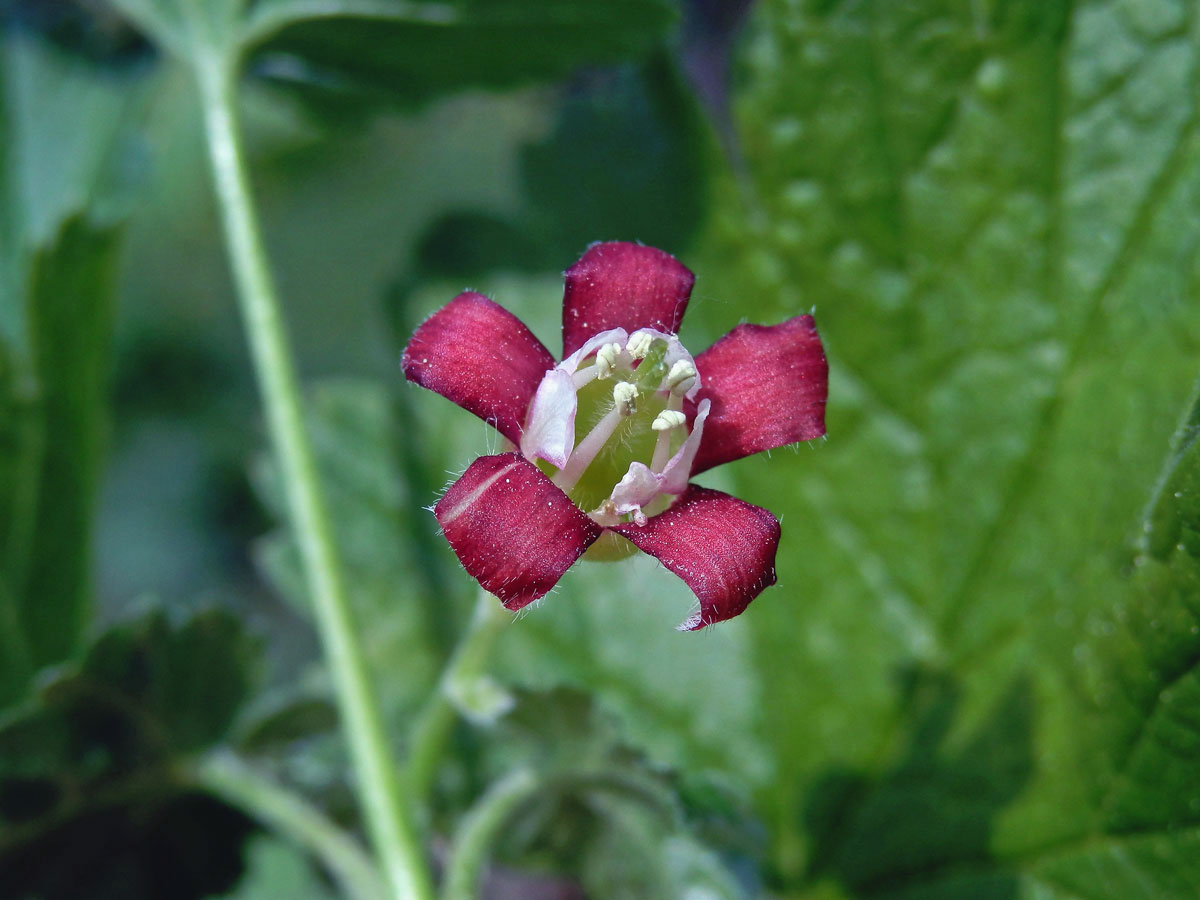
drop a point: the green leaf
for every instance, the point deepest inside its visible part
(53, 446)
(63, 190)
(601, 811)
(285, 721)
(991, 206)
(277, 871)
(640, 121)
(610, 628)
(70, 317)
(411, 51)
(72, 142)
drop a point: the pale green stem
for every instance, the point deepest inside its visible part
(477, 831)
(471, 848)
(388, 821)
(437, 718)
(291, 817)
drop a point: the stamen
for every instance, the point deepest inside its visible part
(585, 376)
(639, 344)
(587, 449)
(662, 444)
(607, 358)
(625, 398)
(682, 377)
(668, 419)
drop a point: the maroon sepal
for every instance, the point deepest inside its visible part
(479, 355)
(767, 384)
(512, 529)
(621, 285)
(722, 547)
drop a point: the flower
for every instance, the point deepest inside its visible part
(652, 415)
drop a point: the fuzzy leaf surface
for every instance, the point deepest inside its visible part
(980, 675)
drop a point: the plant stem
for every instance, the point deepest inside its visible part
(475, 834)
(292, 817)
(466, 666)
(479, 828)
(387, 818)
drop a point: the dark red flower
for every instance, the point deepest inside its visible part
(652, 415)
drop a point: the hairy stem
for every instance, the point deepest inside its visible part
(472, 841)
(290, 816)
(466, 666)
(485, 821)
(388, 820)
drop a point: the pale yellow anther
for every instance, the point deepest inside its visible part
(681, 378)
(668, 419)
(606, 359)
(625, 398)
(639, 345)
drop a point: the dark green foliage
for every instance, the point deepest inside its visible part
(70, 322)
(65, 138)
(95, 796)
(628, 158)
(412, 52)
(56, 395)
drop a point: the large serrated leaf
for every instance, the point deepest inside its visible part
(992, 208)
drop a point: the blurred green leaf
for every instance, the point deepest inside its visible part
(641, 122)
(690, 701)
(277, 871)
(602, 813)
(94, 797)
(53, 443)
(73, 145)
(70, 322)
(294, 718)
(410, 51)
(64, 186)
(991, 206)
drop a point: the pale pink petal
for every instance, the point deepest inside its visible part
(678, 470)
(637, 487)
(640, 484)
(550, 431)
(550, 426)
(512, 529)
(591, 345)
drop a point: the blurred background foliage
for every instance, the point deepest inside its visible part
(977, 677)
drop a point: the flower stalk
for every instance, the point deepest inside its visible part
(276, 807)
(387, 817)
(465, 668)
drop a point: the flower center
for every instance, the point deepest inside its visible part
(623, 396)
